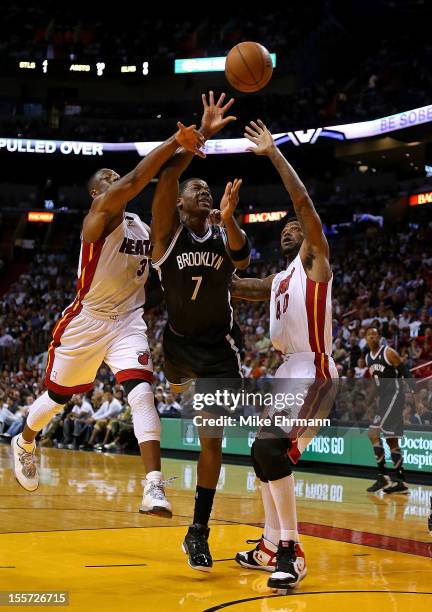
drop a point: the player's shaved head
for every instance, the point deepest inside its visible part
(183, 185)
(93, 181)
(101, 180)
(195, 201)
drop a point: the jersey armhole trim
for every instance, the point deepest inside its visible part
(385, 357)
(160, 261)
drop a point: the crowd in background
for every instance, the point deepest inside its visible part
(381, 279)
(386, 76)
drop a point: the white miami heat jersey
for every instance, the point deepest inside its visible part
(112, 272)
(300, 312)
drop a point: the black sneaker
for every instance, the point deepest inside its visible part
(398, 486)
(382, 482)
(196, 546)
(290, 566)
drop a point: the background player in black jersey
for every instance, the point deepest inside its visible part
(387, 370)
(195, 261)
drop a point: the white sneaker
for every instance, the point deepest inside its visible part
(24, 466)
(154, 501)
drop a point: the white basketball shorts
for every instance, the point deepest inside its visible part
(81, 342)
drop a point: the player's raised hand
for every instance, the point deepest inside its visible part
(261, 137)
(215, 217)
(213, 119)
(190, 139)
(230, 199)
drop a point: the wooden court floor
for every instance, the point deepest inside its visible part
(81, 533)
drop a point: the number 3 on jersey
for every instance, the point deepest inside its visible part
(284, 307)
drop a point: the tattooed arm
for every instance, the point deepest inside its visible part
(252, 289)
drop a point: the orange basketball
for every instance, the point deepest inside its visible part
(248, 67)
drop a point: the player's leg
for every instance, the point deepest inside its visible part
(263, 556)
(73, 360)
(181, 361)
(399, 485)
(213, 363)
(24, 446)
(383, 479)
(129, 358)
(195, 544)
(272, 457)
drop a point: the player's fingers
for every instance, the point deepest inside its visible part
(261, 124)
(221, 99)
(228, 120)
(200, 153)
(200, 138)
(228, 105)
(228, 188)
(211, 98)
(256, 127)
(237, 184)
(250, 149)
(251, 138)
(180, 125)
(204, 100)
(251, 132)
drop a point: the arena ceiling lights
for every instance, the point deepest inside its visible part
(349, 131)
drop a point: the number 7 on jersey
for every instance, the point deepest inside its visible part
(198, 280)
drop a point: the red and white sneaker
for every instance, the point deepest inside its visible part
(262, 557)
(290, 566)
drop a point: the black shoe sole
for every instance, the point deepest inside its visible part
(279, 584)
(200, 568)
(262, 568)
(157, 511)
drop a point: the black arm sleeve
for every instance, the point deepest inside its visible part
(242, 253)
(405, 372)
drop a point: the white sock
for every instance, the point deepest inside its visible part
(154, 476)
(283, 493)
(42, 411)
(146, 422)
(27, 446)
(271, 525)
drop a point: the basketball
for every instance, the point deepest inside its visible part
(248, 67)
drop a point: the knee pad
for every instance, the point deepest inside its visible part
(59, 399)
(272, 458)
(44, 408)
(146, 422)
(256, 466)
(129, 385)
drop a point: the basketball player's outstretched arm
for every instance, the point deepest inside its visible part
(314, 251)
(252, 289)
(165, 218)
(107, 209)
(238, 245)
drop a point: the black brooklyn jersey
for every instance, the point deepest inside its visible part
(195, 274)
(386, 376)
